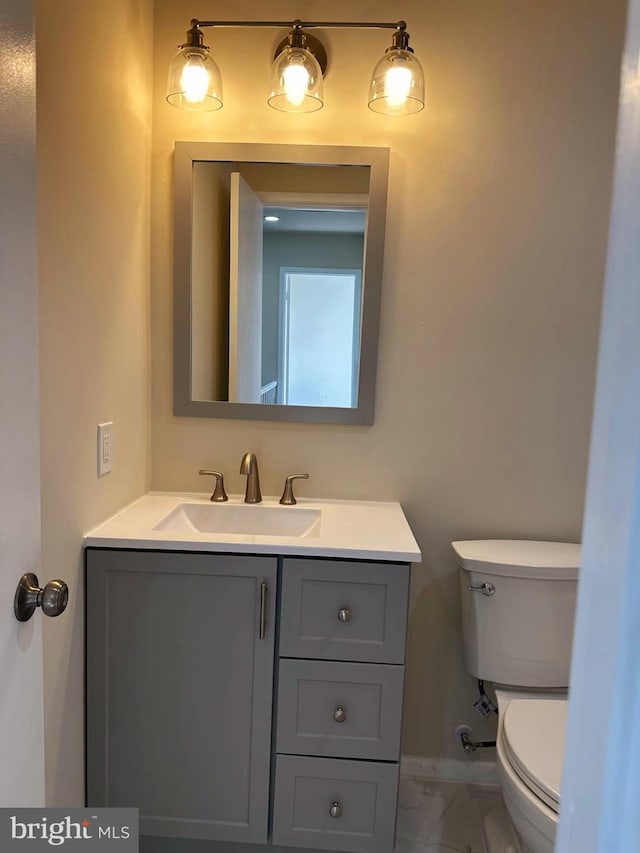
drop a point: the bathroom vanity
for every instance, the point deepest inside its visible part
(247, 687)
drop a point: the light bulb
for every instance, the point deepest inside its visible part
(296, 81)
(397, 85)
(194, 80)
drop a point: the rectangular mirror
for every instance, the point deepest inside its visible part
(278, 266)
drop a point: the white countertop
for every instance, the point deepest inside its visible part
(370, 530)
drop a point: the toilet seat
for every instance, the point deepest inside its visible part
(533, 735)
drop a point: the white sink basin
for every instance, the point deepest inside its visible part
(189, 521)
(243, 519)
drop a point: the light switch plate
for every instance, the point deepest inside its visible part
(105, 447)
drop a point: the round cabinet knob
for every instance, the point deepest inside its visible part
(344, 614)
(335, 810)
(53, 597)
(339, 715)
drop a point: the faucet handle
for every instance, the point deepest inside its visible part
(219, 495)
(288, 498)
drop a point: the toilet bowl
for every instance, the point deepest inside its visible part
(530, 752)
(518, 603)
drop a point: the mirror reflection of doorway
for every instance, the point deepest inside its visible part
(294, 340)
(319, 336)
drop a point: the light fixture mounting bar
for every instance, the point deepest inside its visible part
(364, 25)
(297, 24)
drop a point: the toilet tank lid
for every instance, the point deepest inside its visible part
(519, 558)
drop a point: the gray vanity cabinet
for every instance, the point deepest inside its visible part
(180, 696)
(180, 651)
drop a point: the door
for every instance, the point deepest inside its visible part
(179, 691)
(21, 702)
(245, 293)
(601, 783)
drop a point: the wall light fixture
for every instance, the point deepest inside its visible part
(299, 65)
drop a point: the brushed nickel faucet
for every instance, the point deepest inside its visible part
(249, 467)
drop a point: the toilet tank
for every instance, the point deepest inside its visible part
(518, 627)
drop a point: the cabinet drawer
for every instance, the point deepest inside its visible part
(364, 794)
(350, 710)
(340, 610)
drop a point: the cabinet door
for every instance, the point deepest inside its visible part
(179, 690)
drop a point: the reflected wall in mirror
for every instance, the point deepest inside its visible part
(278, 266)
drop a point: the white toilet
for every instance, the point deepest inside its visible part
(518, 605)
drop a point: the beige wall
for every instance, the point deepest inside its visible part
(94, 131)
(494, 254)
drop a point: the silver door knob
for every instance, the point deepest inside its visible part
(336, 809)
(53, 597)
(339, 715)
(344, 614)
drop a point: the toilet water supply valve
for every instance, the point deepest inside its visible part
(470, 746)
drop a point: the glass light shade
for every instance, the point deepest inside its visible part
(296, 82)
(194, 81)
(397, 84)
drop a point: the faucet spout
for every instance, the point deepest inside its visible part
(249, 467)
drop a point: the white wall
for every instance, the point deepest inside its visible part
(94, 131)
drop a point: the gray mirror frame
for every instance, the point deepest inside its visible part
(378, 161)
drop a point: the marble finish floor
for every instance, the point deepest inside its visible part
(442, 817)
